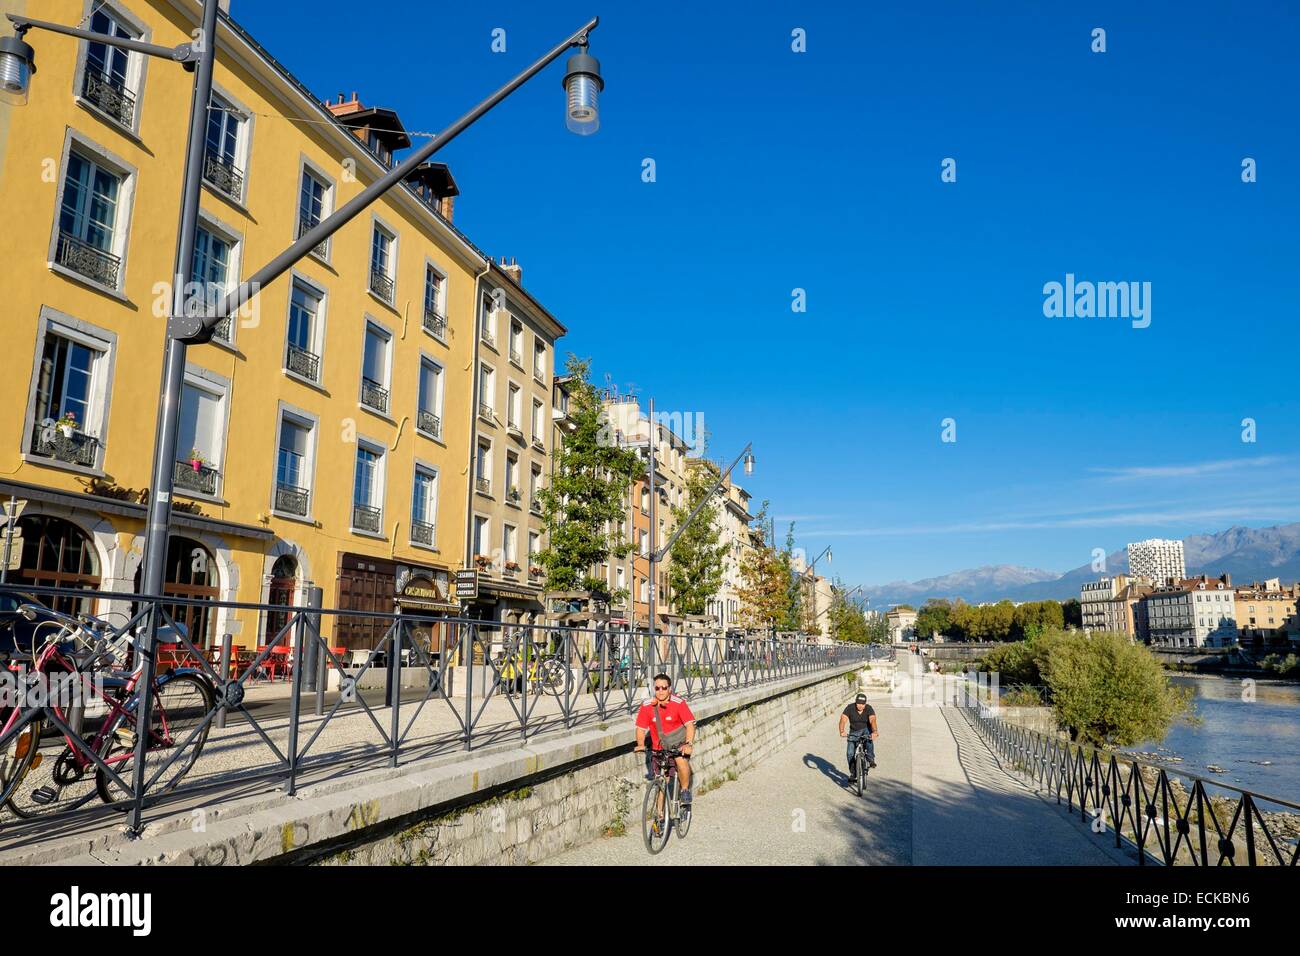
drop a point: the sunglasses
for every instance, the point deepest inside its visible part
(662, 687)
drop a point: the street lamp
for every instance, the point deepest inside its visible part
(194, 321)
(812, 570)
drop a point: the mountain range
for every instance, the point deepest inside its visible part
(1248, 554)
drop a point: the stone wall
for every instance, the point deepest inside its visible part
(549, 813)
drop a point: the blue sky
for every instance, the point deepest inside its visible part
(778, 170)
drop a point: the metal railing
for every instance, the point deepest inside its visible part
(202, 479)
(422, 533)
(1170, 818)
(108, 93)
(367, 518)
(381, 285)
(435, 323)
(374, 395)
(369, 688)
(485, 412)
(73, 252)
(516, 358)
(429, 423)
(535, 505)
(74, 447)
(305, 226)
(224, 329)
(292, 500)
(223, 176)
(483, 485)
(302, 362)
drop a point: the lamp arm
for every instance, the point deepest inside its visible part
(659, 555)
(185, 53)
(199, 327)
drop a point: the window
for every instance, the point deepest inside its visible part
(88, 216)
(539, 360)
(508, 552)
(213, 260)
(534, 486)
(374, 368)
(429, 414)
(368, 489)
(534, 546)
(110, 72)
(643, 586)
(435, 320)
(516, 343)
(69, 409)
(489, 319)
(537, 423)
(514, 410)
(424, 507)
(223, 148)
(292, 470)
(199, 440)
(486, 393)
(483, 468)
(302, 356)
(383, 267)
(313, 206)
(512, 478)
(482, 528)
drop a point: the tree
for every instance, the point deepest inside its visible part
(765, 589)
(587, 493)
(795, 618)
(1072, 611)
(1036, 617)
(845, 620)
(935, 617)
(696, 572)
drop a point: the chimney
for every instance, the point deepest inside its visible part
(448, 207)
(513, 270)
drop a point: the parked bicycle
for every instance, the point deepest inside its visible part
(92, 663)
(546, 673)
(662, 810)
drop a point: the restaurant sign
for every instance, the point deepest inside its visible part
(466, 584)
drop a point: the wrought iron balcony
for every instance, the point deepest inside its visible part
(435, 323)
(292, 500)
(75, 447)
(204, 480)
(306, 225)
(108, 93)
(535, 506)
(224, 329)
(483, 485)
(374, 395)
(422, 533)
(513, 495)
(381, 285)
(223, 176)
(90, 261)
(485, 412)
(516, 358)
(537, 443)
(366, 518)
(429, 423)
(539, 375)
(488, 337)
(302, 362)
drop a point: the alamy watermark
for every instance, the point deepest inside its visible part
(1101, 300)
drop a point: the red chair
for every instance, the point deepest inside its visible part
(337, 653)
(280, 661)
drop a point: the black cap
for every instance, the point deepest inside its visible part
(860, 699)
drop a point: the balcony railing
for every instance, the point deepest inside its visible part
(516, 358)
(485, 412)
(224, 329)
(366, 518)
(381, 285)
(513, 496)
(204, 480)
(305, 226)
(223, 176)
(75, 447)
(374, 395)
(108, 93)
(90, 261)
(422, 533)
(535, 506)
(488, 337)
(483, 485)
(435, 323)
(537, 443)
(429, 423)
(302, 362)
(292, 500)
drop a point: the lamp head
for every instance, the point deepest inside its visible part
(582, 86)
(749, 463)
(17, 64)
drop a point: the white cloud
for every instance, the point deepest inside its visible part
(1197, 470)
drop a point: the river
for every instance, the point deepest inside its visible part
(1256, 741)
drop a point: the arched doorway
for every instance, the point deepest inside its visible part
(281, 588)
(191, 572)
(58, 554)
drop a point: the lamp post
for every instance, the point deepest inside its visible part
(193, 321)
(812, 570)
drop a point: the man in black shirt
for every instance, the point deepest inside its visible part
(859, 720)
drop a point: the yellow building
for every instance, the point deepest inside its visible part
(330, 428)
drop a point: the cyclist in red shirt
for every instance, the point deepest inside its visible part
(675, 716)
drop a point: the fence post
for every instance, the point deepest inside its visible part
(145, 644)
(224, 671)
(467, 662)
(295, 701)
(395, 685)
(312, 655)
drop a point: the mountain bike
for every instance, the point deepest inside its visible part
(100, 718)
(860, 765)
(547, 673)
(663, 810)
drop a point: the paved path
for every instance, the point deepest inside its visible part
(938, 797)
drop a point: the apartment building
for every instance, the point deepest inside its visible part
(1266, 612)
(902, 625)
(324, 435)
(1094, 596)
(1193, 612)
(1157, 559)
(735, 538)
(511, 434)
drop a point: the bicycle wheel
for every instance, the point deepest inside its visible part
(683, 823)
(59, 777)
(862, 771)
(554, 676)
(181, 704)
(654, 816)
(18, 756)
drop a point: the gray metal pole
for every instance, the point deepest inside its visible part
(10, 521)
(226, 641)
(654, 525)
(172, 382)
